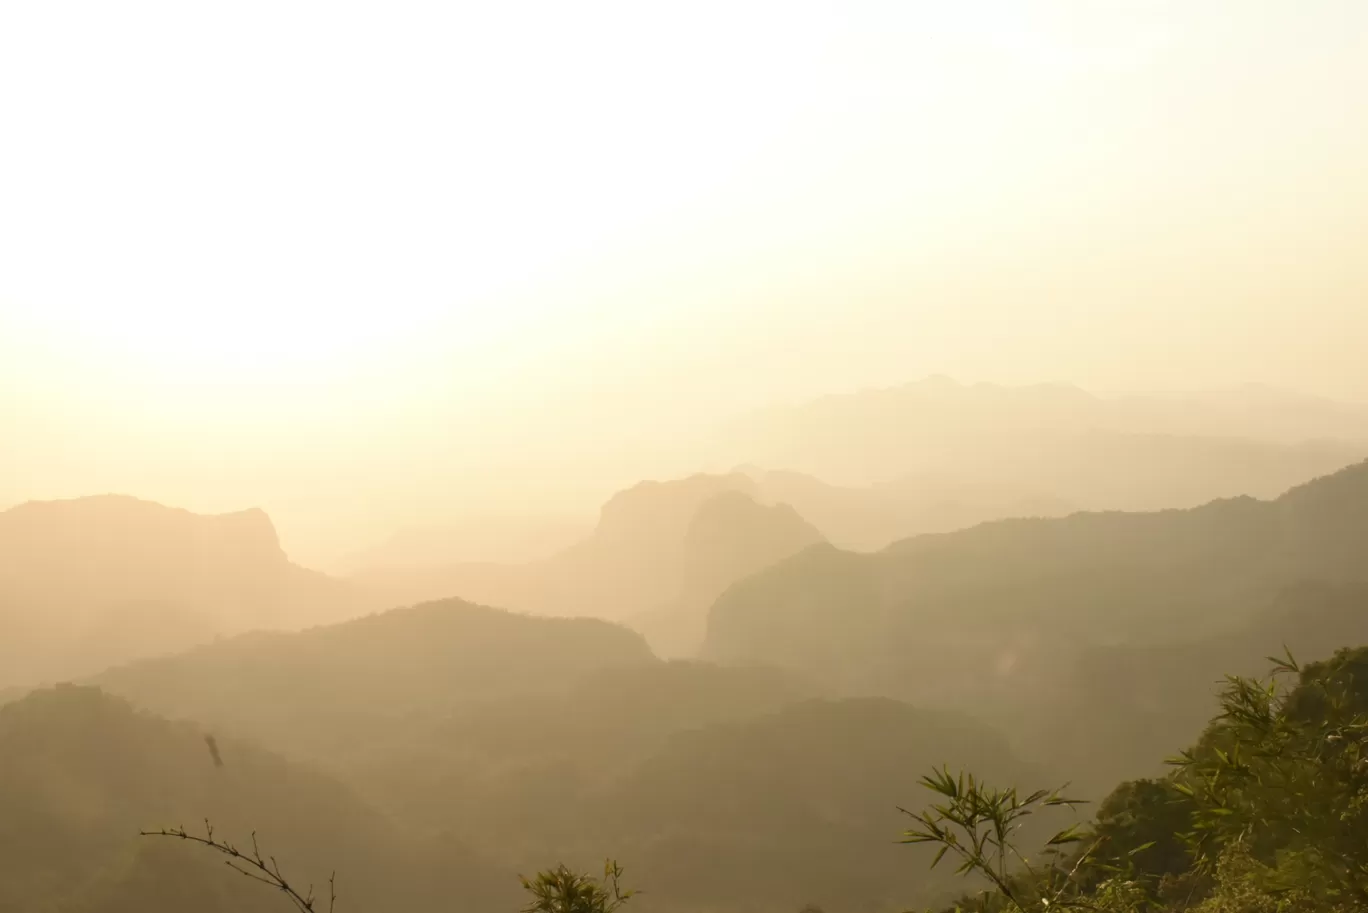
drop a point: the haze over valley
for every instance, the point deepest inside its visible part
(818, 457)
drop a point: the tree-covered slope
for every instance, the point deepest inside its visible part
(1022, 604)
(328, 691)
(728, 809)
(82, 772)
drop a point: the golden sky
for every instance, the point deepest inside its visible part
(282, 252)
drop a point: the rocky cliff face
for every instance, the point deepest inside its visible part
(92, 581)
(732, 536)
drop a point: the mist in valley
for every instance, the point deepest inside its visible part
(770, 447)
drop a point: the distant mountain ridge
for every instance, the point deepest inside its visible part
(88, 582)
(644, 561)
(647, 553)
(663, 550)
(991, 618)
(730, 537)
(868, 518)
(1136, 451)
(1250, 411)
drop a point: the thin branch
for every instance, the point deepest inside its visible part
(253, 865)
(1073, 873)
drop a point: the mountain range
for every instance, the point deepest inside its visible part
(1123, 452)
(996, 619)
(88, 582)
(729, 682)
(409, 737)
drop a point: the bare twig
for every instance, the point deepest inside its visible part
(260, 868)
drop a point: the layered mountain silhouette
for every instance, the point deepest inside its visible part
(1135, 452)
(99, 581)
(730, 537)
(995, 619)
(552, 739)
(661, 552)
(930, 457)
(1067, 643)
(299, 690)
(81, 773)
(88, 582)
(870, 517)
(1031, 651)
(631, 562)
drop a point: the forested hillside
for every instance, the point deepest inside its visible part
(784, 808)
(336, 689)
(681, 768)
(1031, 607)
(1264, 812)
(539, 739)
(725, 457)
(81, 773)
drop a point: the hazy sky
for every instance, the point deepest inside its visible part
(285, 253)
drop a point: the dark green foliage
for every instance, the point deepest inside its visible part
(1144, 821)
(1284, 775)
(560, 890)
(1267, 813)
(978, 826)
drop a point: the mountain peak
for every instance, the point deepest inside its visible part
(124, 515)
(109, 578)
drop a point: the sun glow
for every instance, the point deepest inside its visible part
(286, 230)
(280, 192)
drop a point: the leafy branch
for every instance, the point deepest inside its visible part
(977, 824)
(1284, 771)
(561, 890)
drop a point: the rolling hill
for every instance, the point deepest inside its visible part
(82, 772)
(995, 619)
(546, 739)
(326, 691)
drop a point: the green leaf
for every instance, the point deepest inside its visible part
(1071, 834)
